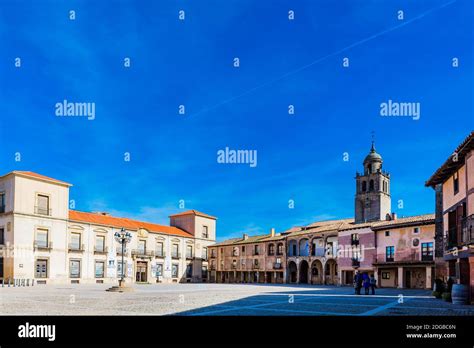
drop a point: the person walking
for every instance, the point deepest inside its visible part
(373, 283)
(359, 282)
(366, 283)
(356, 283)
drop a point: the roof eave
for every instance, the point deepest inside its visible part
(44, 179)
(404, 224)
(449, 166)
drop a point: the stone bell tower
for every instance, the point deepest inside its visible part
(372, 199)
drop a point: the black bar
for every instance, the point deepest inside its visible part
(332, 331)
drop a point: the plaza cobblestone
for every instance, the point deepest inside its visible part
(221, 299)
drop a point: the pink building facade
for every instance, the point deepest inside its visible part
(356, 251)
(405, 252)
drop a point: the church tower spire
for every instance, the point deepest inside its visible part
(372, 200)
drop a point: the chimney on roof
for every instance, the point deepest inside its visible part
(272, 232)
(246, 236)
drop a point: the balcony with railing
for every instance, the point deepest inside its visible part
(42, 246)
(100, 250)
(42, 211)
(403, 256)
(175, 255)
(467, 230)
(355, 262)
(160, 253)
(143, 253)
(119, 250)
(450, 240)
(355, 242)
(75, 248)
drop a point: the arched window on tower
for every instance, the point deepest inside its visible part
(364, 186)
(371, 185)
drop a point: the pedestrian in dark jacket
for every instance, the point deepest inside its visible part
(360, 281)
(366, 282)
(373, 283)
(357, 282)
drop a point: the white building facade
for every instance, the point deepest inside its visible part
(42, 239)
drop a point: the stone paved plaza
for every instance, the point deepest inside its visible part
(220, 299)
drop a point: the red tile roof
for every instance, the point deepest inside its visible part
(425, 219)
(322, 227)
(129, 224)
(39, 176)
(194, 212)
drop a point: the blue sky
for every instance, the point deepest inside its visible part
(173, 62)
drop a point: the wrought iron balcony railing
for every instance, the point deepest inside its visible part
(467, 228)
(425, 257)
(72, 247)
(355, 262)
(100, 250)
(355, 242)
(39, 245)
(143, 253)
(119, 250)
(403, 256)
(450, 240)
(160, 253)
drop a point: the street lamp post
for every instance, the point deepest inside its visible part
(123, 237)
